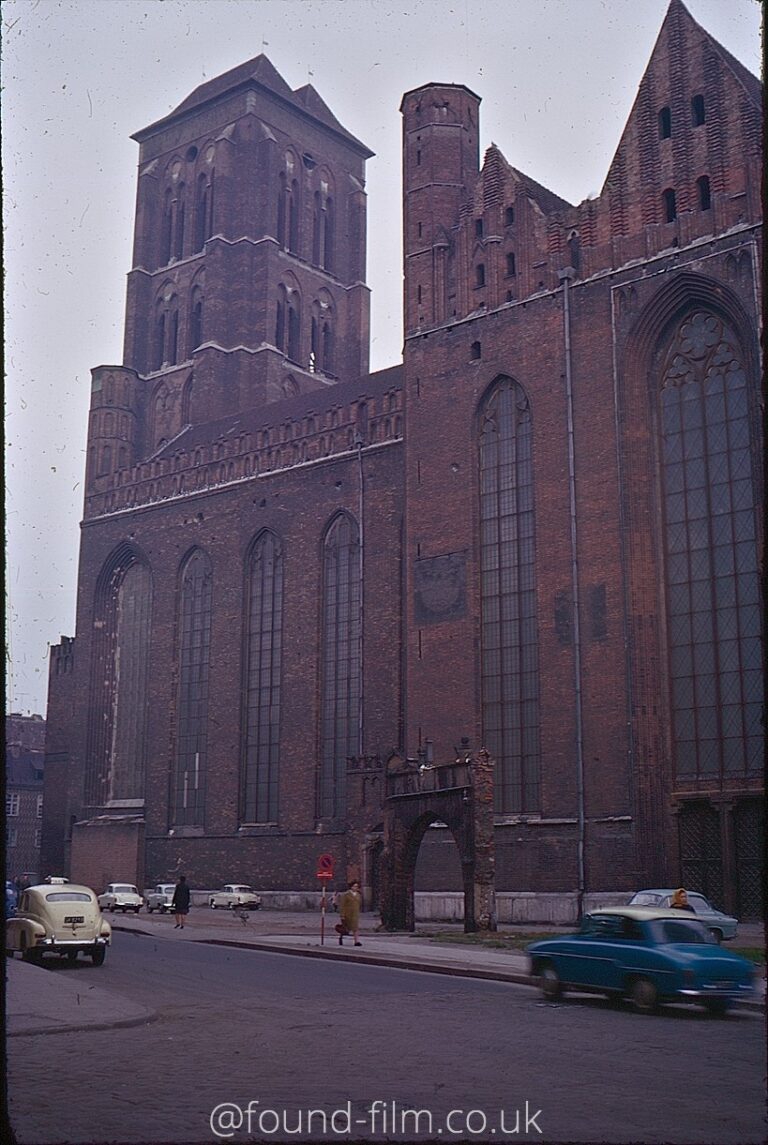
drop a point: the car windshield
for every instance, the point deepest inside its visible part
(669, 930)
(67, 896)
(126, 890)
(645, 898)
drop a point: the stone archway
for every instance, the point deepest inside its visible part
(460, 794)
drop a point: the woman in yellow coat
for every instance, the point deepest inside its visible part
(349, 912)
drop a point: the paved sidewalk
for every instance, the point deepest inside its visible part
(38, 1002)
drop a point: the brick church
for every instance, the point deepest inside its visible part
(540, 533)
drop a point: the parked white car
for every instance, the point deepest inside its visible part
(161, 898)
(121, 896)
(234, 895)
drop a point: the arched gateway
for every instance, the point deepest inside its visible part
(459, 794)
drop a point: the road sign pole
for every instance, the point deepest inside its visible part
(324, 873)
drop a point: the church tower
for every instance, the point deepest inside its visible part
(247, 283)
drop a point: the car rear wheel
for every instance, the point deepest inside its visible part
(717, 934)
(98, 954)
(549, 980)
(136, 909)
(643, 995)
(717, 1006)
(149, 909)
(29, 953)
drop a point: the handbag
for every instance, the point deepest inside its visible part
(341, 928)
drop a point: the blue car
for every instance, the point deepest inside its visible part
(648, 956)
(11, 899)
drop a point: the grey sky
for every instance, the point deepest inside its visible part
(557, 79)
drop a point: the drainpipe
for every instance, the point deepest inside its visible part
(566, 275)
(361, 519)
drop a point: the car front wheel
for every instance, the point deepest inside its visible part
(213, 905)
(98, 954)
(643, 995)
(717, 934)
(549, 980)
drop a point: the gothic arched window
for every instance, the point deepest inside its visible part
(510, 670)
(195, 319)
(263, 678)
(341, 676)
(195, 607)
(709, 451)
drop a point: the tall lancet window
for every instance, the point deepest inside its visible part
(510, 672)
(709, 474)
(262, 688)
(117, 719)
(341, 683)
(194, 662)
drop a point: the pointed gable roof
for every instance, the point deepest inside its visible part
(259, 72)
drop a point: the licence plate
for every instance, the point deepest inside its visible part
(73, 918)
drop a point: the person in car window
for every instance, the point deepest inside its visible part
(679, 901)
(180, 902)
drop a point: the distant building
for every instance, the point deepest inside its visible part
(24, 767)
(540, 533)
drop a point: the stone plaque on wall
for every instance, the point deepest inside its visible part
(440, 588)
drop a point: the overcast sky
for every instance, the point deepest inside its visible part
(557, 79)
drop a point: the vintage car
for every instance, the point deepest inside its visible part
(161, 898)
(121, 896)
(234, 895)
(646, 955)
(58, 919)
(720, 925)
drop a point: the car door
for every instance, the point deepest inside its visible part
(585, 959)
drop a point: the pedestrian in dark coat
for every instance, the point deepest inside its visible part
(180, 902)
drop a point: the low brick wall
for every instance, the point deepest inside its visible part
(448, 906)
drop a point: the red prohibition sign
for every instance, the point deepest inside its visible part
(325, 867)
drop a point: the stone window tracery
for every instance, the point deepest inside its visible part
(709, 476)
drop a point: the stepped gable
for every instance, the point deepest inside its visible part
(497, 174)
(314, 402)
(682, 40)
(258, 72)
